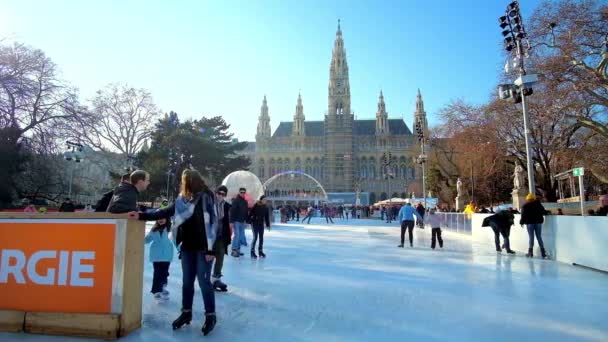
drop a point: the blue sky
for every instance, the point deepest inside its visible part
(221, 57)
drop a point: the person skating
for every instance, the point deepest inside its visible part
(222, 240)
(258, 216)
(193, 214)
(420, 210)
(501, 223)
(532, 215)
(309, 213)
(406, 217)
(161, 255)
(238, 219)
(327, 214)
(104, 201)
(435, 220)
(125, 195)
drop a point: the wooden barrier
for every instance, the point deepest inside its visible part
(114, 291)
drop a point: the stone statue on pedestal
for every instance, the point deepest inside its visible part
(459, 198)
(459, 188)
(519, 190)
(518, 178)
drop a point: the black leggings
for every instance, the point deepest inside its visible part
(409, 225)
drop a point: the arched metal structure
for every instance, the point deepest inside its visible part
(298, 173)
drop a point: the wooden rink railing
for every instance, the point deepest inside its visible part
(72, 274)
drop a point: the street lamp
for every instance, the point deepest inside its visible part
(74, 153)
(387, 160)
(515, 33)
(422, 157)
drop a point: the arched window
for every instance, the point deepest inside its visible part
(372, 168)
(402, 172)
(298, 165)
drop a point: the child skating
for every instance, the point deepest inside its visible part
(435, 221)
(161, 255)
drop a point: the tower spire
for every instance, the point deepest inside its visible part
(381, 117)
(298, 118)
(339, 85)
(420, 114)
(263, 130)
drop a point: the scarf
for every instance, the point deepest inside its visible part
(184, 209)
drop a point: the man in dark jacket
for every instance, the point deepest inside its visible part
(104, 201)
(124, 199)
(258, 216)
(67, 206)
(532, 215)
(501, 224)
(238, 218)
(223, 237)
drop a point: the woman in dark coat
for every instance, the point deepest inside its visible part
(194, 232)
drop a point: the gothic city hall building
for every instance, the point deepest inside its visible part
(343, 154)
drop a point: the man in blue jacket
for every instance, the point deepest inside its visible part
(406, 217)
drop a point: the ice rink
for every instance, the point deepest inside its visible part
(349, 282)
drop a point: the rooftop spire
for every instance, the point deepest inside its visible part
(419, 103)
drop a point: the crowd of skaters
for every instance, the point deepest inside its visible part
(204, 228)
(203, 225)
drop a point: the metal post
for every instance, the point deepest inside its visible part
(168, 179)
(531, 183)
(71, 179)
(423, 160)
(582, 194)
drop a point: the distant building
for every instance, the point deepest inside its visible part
(341, 152)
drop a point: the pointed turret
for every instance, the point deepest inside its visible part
(420, 114)
(263, 131)
(381, 117)
(298, 118)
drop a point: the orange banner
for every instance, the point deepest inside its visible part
(56, 267)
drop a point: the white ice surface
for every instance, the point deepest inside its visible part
(351, 283)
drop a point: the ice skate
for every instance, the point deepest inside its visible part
(219, 286)
(530, 254)
(209, 324)
(262, 255)
(184, 318)
(253, 256)
(165, 293)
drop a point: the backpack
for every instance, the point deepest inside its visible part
(104, 202)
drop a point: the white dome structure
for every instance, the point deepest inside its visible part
(243, 179)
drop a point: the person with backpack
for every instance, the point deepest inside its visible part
(102, 205)
(125, 195)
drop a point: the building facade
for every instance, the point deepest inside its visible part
(342, 153)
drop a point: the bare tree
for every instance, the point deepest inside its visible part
(31, 93)
(123, 119)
